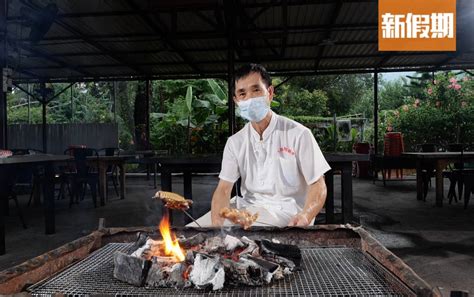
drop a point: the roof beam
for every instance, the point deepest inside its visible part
(39, 53)
(163, 7)
(269, 33)
(95, 44)
(171, 43)
(201, 49)
(266, 59)
(327, 34)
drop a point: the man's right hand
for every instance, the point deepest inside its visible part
(220, 199)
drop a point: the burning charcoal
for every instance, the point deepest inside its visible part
(149, 249)
(243, 272)
(214, 245)
(207, 271)
(251, 249)
(141, 240)
(156, 276)
(189, 257)
(176, 278)
(130, 269)
(231, 243)
(192, 241)
(290, 252)
(270, 269)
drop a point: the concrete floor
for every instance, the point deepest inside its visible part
(438, 243)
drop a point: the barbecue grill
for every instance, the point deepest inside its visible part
(337, 260)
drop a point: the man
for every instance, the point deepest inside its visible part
(278, 160)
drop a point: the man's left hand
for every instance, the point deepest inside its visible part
(299, 220)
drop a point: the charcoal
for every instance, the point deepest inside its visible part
(231, 243)
(141, 240)
(207, 272)
(214, 245)
(130, 269)
(164, 272)
(176, 278)
(251, 249)
(189, 258)
(271, 270)
(195, 240)
(244, 272)
(290, 252)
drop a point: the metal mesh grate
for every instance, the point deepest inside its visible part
(326, 272)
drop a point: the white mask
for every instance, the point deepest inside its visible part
(254, 109)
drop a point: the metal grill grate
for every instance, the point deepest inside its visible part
(326, 272)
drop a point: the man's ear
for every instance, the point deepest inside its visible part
(271, 93)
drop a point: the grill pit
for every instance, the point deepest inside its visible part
(328, 271)
(336, 260)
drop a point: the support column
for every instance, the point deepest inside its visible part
(376, 111)
(147, 123)
(3, 64)
(231, 64)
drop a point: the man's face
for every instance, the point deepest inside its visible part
(252, 86)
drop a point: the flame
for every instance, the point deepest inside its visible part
(172, 247)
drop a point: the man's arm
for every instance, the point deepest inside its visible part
(220, 199)
(315, 199)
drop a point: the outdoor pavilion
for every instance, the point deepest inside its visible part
(147, 40)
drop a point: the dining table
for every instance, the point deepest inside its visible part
(341, 163)
(47, 161)
(439, 161)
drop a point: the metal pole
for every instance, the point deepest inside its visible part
(29, 100)
(45, 137)
(72, 104)
(3, 64)
(147, 124)
(114, 94)
(376, 111)
(231, 68)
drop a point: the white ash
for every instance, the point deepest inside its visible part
(207, 271)
(231, 243)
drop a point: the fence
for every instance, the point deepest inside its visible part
(60, 136)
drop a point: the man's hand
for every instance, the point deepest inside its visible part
(299, 220)
(220, 199)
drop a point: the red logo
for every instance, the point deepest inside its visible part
(287, 150)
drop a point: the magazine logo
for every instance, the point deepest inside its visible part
(417, 25)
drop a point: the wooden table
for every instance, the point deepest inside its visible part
(45, 160)
(439, 161)
(103, 162)
(212, 164)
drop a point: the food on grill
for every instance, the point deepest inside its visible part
(173, 200)
(239, 216)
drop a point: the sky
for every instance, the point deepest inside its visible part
(390, 76)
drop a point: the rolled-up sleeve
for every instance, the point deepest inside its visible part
(230, 166)
(310, 158)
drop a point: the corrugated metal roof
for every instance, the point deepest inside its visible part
(124, 39)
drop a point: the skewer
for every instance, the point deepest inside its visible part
(191, 217)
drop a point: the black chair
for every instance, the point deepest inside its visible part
(81, 174)
(454, 172)
(467, 175)
(111, 172)
(10, 179)
(428, 169)
(38, 179)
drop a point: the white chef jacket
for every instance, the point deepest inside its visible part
(276, 171)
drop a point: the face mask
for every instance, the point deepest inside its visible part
(254, 109)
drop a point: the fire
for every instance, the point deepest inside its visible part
(172, 247)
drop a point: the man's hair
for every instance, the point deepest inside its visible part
(253, 68)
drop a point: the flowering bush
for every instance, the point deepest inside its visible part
(445, 115)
